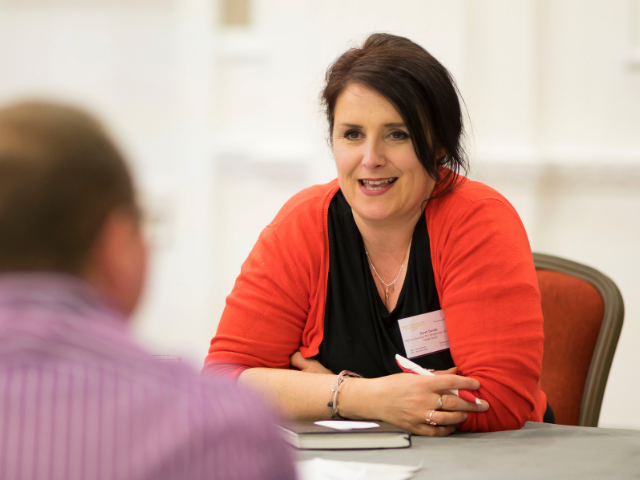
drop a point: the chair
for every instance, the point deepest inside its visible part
(583, 313)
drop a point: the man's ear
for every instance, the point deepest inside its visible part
(117, 264)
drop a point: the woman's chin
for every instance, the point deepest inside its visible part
(371, 208)
(374, 214)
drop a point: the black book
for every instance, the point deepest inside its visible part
(308, 435)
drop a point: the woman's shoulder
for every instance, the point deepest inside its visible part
(471, 207)
(308, 206)
(469, 191)
(469, 194)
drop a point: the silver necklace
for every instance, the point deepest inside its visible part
(386, 285)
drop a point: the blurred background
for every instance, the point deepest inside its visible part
(215, 103)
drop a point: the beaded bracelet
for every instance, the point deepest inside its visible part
(333, 403)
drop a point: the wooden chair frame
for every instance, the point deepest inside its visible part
(607, 341)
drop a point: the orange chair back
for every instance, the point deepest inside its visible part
(573, 310)
(583, 316)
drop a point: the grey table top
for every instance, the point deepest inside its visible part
(537, 451)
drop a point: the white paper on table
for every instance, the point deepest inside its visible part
(346, 425)
(322, 469)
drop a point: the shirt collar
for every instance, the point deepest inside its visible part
(61, 289)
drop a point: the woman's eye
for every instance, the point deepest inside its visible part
(399, 135)
(352, 134)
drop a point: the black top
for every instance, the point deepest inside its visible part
(359, 333)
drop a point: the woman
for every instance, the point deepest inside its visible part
(342, 277)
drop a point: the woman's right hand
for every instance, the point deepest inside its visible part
(407, 401)
(308, 365)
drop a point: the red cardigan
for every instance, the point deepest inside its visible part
(484, 275)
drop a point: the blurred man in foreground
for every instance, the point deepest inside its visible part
(78, 398)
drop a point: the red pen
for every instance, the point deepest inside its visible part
(410, 367)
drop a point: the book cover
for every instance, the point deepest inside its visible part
(344, 435)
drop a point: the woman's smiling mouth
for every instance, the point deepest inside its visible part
(376, 186)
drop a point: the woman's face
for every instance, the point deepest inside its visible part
(378, 170)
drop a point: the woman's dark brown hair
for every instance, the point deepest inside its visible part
(60, 176)
(422, 91)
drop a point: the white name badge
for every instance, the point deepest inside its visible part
(424, 334)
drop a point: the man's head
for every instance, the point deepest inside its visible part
(67, 201)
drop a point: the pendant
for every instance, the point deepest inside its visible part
(386, 291)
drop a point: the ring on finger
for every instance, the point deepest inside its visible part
(440, 402)
(429, 421)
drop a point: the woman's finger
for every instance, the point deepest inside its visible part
(430, 431)
(442, 383)
(301, 363)
(298, 361)
(307, 365)
(451, 371)
(455, 403)
(442, 418)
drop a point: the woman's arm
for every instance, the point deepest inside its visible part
(404, 400)
(494, 319)
(267, 311)
(295, 394)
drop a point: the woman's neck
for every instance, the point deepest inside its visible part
(388, 240)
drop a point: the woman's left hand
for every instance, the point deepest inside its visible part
(422, 405)
(308, 365)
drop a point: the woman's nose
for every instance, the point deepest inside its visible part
(373, 156)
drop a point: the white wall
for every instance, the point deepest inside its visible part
(223, 125)
(146, 67)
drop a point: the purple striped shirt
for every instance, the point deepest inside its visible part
(80, 400)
